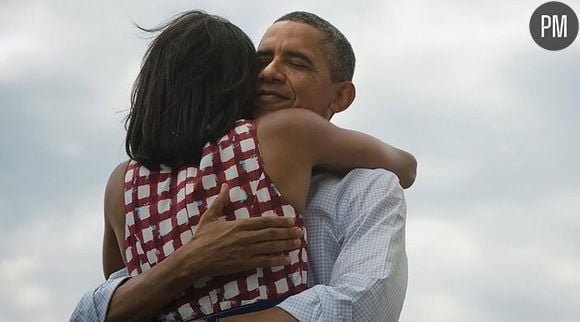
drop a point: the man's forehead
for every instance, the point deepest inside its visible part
(292, 35)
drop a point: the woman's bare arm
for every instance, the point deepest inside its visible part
(114, 209)
(314, 138)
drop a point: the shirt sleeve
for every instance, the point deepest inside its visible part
(94, 304)
(369, 278)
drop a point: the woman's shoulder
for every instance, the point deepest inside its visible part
(117, 177)
(297, 122)
(291, 116)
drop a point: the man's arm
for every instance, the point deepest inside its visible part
(142, 297)
(92, 307)
(130, 299)
(364, 282)
(217, 248)
(367, 280)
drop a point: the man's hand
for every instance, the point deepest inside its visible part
(225, 247)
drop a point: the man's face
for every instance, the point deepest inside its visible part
(294, 70)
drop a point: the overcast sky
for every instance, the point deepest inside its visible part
(493, 225)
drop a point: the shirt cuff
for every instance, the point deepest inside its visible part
(93, 305)
(319, 303)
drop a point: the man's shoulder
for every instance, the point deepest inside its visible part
(354, 182)
(356, 176)
(371, 174)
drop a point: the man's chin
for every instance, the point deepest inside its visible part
(269, 107)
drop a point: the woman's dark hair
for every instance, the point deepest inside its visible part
(197, 78)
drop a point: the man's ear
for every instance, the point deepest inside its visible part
(344, 96)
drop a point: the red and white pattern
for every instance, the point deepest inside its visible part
(163, 209)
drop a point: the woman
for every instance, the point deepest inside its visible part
(191, 134)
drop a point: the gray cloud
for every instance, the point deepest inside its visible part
(493, 119)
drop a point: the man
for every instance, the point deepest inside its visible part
(355, 223)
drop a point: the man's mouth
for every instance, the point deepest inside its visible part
(270, 96)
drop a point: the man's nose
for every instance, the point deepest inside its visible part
(272, 72)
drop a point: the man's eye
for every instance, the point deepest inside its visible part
(297, 65)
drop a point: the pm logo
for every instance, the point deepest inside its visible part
(554, 26)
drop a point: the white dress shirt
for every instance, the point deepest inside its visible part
(356, 244)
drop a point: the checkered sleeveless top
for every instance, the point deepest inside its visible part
(164, 207)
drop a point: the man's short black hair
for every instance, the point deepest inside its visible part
(338, 50)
